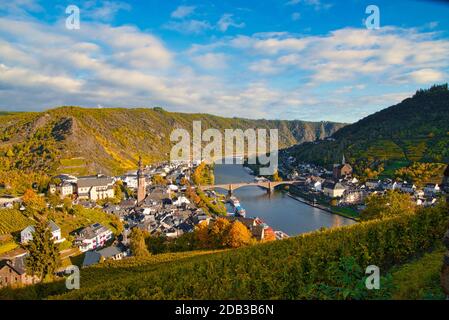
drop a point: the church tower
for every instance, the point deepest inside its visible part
(141, 186)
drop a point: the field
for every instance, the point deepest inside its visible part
(302, 267)
(12, 221)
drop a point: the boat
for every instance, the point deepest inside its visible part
(234, 201)
(239, 211)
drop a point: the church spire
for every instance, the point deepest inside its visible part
(343, 160)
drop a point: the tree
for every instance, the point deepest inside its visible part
(218, 231)
(276, 177)
(202, 235)
(137, 243)
(238, 235)
(390, 204)
(33, 202)
(159, 180)
(43, 259)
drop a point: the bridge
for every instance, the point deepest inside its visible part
(231, 187)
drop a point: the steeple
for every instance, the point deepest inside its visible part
(141, 185)
(343, 160)
(141, 169)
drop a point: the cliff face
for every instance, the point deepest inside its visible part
(81, 141)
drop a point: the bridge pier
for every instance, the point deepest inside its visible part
(230, 190)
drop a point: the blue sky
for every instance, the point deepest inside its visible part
(286, 59)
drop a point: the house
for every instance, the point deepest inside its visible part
(65, 189)
(408, 187)
(432, 188)
(93, 237)
(109, 253)
(372, 183)
(333, 189)
(354, 197)
(130, 180)
(26, 234)
(95, 187)
(12, 273)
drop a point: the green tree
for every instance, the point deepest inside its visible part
(386, 205)
(137, 243)
(43, 259)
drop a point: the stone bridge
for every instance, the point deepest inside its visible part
(268, 185)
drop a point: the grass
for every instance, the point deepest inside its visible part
(7, 247)
(12, 221)
(419, 279)
(391, 167)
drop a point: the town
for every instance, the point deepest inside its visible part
(156, 201)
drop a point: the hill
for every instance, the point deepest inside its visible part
(415, 130)
(85, 141)
(309, 266)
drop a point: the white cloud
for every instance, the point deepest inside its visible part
(211, 61)
(45, 65)
(189, 26)
(103, 10)
(227, 21)
(426, 76)
(182, 12)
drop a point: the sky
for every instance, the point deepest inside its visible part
(309, 60)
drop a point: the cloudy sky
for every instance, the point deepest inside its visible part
(274, 59)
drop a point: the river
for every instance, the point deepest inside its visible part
(278, 210)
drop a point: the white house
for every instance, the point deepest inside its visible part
(95, 187)
(408, 187)
(372, 183)
(26, 234)
(180, 201)
(333, 189)
(93, 237)
(65, 189)
(432, 188)
(130, 180)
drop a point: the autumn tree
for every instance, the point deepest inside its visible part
(201, 236)
(159, 180)
(217, 232)
(33, 202)
(237, 235)
(43, 258)
(137, 243)
(386, 205)
(276, 177)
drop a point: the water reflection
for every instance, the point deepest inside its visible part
(278, 209)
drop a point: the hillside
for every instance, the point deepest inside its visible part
(310, 266)
(81, 141)
(415, 130)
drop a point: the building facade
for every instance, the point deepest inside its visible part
(95, 187)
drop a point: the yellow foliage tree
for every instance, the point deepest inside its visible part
(33, 202)
(238, 235)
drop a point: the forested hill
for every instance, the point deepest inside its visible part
(81, 141)
(417, 129)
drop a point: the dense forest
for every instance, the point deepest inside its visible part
(415, 130)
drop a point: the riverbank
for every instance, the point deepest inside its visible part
(321, 207)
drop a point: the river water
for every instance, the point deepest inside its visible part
(278, 210)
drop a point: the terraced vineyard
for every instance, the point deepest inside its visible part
(12, 221)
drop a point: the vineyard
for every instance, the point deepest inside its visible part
(12, 221)
(294, 268)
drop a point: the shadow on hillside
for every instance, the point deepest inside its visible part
(39, 291)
